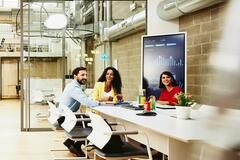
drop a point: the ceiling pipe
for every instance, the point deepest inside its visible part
(101, 8)
(128, 26)
(77, 11)
(109, 12)
(170, 9)
(83, 13)
(96, 11)
(108, 45)
(105, 11)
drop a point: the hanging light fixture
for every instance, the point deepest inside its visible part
(52, 25)
(56, 21)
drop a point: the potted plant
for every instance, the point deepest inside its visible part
(184, 105)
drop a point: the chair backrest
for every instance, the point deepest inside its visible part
(70, 119)
(98, 136)
(54, 113)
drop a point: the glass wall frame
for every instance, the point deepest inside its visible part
(43, 68)
(66, 50)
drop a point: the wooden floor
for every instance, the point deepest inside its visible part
(17, 145)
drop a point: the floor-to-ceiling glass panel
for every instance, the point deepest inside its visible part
(45, 84)
(42, 67)
(49, 54)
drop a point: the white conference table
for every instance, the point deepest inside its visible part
(167, 134)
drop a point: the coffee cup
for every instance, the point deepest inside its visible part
(147, 106)
(119, 97)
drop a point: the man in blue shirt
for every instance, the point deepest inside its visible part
(72, 97)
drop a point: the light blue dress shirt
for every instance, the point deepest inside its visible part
(73, 96)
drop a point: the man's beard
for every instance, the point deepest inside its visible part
(82, 81)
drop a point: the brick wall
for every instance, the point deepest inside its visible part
(128, 53)
(204, 29)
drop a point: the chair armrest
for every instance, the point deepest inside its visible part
(122, 127)
(79, 114)
(122, 132)
(83, 120)
(114, 123)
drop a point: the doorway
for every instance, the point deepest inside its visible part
(9, 78)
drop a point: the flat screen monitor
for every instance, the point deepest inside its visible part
(161, 53)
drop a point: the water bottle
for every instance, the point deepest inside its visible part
(153, 102)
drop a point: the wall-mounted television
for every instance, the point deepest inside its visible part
(166, 52)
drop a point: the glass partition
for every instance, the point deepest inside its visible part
(50, 55)
(43, 62)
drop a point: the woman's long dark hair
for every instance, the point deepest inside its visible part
(173, 82)
(116, 82)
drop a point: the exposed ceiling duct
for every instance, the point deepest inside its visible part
(170, 9)
(83, 12)
(86, 15)
(128, 26)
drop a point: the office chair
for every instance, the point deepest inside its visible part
(75, 131)
(72, 130)
(109, 145)
(54, 115)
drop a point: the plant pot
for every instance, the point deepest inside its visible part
(183, 112)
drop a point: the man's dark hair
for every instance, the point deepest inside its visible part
(173, 82)
(76, 71)
(116, 82)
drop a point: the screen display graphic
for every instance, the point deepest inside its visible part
(163, 53)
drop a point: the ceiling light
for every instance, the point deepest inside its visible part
(56, 21)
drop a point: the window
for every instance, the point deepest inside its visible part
(10, 3)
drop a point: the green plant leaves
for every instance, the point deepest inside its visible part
(184, 100)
